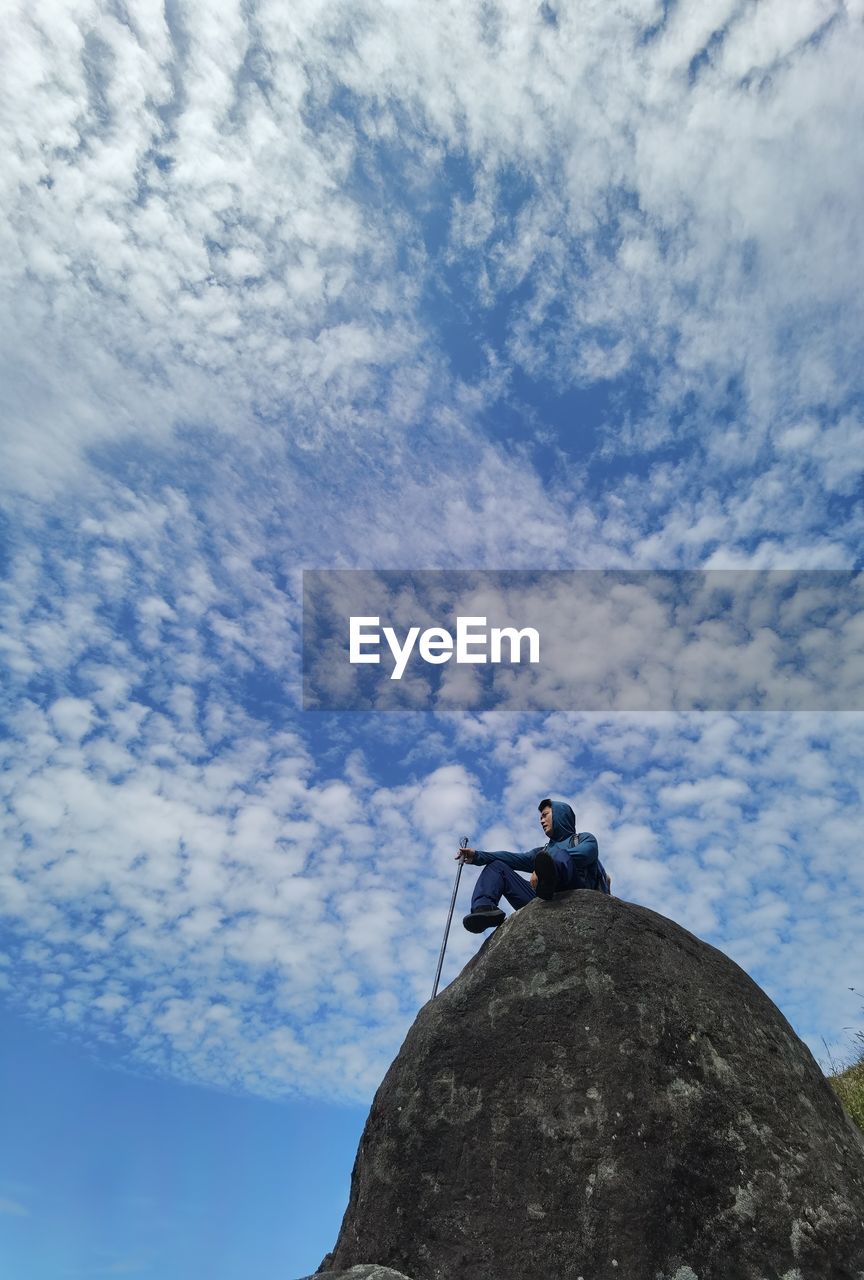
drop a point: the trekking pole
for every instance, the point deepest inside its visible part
(463, 844)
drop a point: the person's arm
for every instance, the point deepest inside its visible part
(518, 861)
(584, 854)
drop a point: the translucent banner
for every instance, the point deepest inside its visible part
(583, 640)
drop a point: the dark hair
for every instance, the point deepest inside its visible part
(544, 804)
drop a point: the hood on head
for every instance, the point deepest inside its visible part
(563, 821)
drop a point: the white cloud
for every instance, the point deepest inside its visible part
(264, 927)
(72, 717)
(196, 204)
(228, 251)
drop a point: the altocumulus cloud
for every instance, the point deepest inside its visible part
(252, 229)
(272, 282)
(251, 923)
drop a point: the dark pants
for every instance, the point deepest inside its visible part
(497, 881)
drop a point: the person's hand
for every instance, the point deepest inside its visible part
(465, 855)
(534, 881)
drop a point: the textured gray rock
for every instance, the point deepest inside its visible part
(369, 1271)
(600, 1094)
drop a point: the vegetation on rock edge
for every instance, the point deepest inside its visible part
(849, 1085)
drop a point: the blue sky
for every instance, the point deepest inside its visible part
(369, 285)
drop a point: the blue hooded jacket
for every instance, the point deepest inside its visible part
(578, 849)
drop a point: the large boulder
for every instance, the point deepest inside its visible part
(600, 1094)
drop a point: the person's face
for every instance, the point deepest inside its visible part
(546, 820)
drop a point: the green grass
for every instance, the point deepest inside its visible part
(849, 1084)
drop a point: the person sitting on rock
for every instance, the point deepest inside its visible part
(569, 860)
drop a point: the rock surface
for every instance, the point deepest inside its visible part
(369, 1271)
(601, 1095)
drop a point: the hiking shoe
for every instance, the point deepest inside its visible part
(485, 918)
(547, 875)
